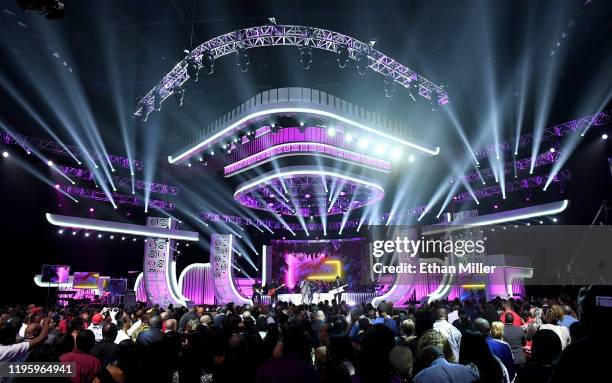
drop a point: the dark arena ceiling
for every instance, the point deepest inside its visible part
(514, 72)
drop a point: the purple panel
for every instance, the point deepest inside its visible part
(198, 284)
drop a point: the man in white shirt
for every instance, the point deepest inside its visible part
(450, 332)
(96, 326)
(17, 352)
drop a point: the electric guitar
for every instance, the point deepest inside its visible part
(338, 290)
(272, 291)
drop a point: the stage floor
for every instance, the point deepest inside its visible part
(349, 298)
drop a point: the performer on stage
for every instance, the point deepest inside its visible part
(337, 285)
(306, 290)
(257, 291)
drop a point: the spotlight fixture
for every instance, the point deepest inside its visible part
(99, 235)
(343, 55)
(305, 57)
(389, 85)
(331, 132)
(552, 150)
(363, 143)
(604, 136)
(242, 59)
(157, 100)
(5, 154)
(434, 102)
(50, 163)
(413, 89)
(60, 231)
(193, 69)
(179, 95)
(362, 63)
(208, 62)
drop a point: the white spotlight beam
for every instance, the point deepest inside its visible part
(120, 228)
(497, 218)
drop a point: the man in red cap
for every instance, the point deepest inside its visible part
(96, 326)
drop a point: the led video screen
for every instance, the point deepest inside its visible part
(85, 280)
(55, 273)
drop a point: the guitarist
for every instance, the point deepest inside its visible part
(336, 285)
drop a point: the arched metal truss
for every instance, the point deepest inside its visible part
(291, 35)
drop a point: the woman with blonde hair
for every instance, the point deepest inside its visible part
(497, 330)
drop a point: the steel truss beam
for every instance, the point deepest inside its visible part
(543, 159)
(527, 183)
(153, 187)
(291, 35)
(28, 142)
(551, 133)
(118, 198)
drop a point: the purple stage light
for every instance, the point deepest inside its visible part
(91, 209)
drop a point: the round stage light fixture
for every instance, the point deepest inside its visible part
(380, 148)
(552, 150)
(389, 85)
(604, 136)
(343, 55)
(363, 143)
(178, 94)
(192, 69)
(60, 231)
(208, 62)
(331, 132)
(396, 153)
(554, 220)
(99, 235)
(86, 234)
(74, 233)
(362, 63)
(5, 154)
(50, 163)
(242, 60)
(305, 57)
(91, 209)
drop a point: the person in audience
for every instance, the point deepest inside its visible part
(86, 365)
(10, 351)
(551, 318)
(439, 370)
(545, 349)
(106, 350)
(515, 337)
(96, 326)
(497, 330)
(568, 317)
(475, 351)
(508, 309)
(499, 348)
(584, 361)
(450, 332)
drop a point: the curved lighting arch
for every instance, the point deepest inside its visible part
(291, 35)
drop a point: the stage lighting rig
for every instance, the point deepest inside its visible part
(208, 62)
(179, 95)
(389, 85)
(305, 57)
(52, 9)
(413, 89)
(193, 69)
(157, 100)
(362, 63)
(343, 55)
(242, 58)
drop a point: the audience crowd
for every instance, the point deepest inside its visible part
(535, 340)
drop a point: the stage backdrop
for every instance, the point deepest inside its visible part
(295, 260)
